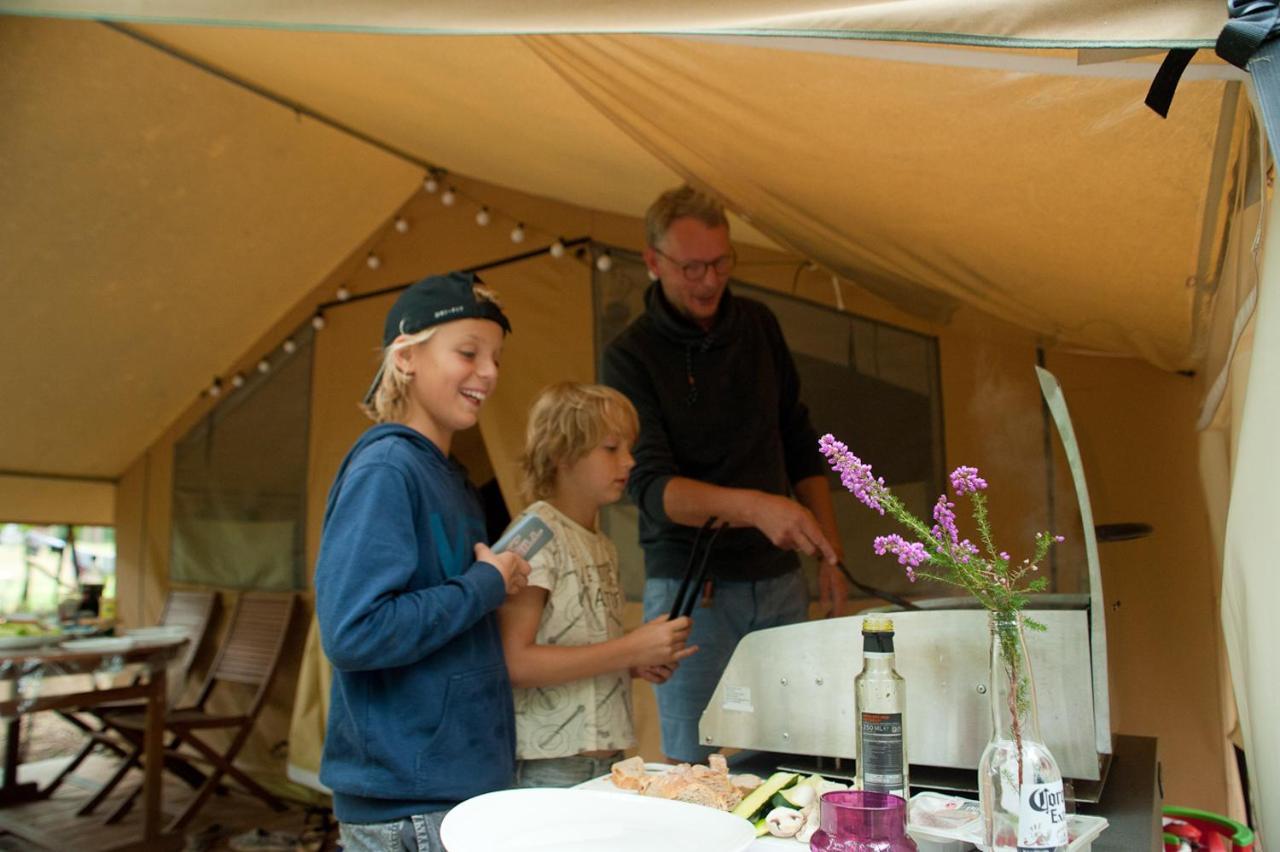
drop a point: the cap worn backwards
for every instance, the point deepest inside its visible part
(434, 300)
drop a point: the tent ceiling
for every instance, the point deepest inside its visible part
(158, 221)
(168, 217)
(1043, 22)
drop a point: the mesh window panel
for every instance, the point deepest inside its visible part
(239, 483)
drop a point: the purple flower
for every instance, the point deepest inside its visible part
(944, 514)
(911, 554)
(854, 474)
(965, 480)
(964, 551)
(1004, 556)
(1059, 539)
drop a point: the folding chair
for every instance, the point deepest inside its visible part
(249, 655)
(192, 610)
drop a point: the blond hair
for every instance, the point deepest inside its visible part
(681, 203)
(390, 402)
(567, 421)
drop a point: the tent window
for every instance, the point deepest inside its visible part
(874, 385)
(239, 483)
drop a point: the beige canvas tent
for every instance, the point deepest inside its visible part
(186, 184)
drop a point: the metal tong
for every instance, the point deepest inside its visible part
(687, 593)
(888, 597)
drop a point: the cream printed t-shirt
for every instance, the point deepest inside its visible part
(579, 570)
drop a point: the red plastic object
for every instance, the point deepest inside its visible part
(1206, 831)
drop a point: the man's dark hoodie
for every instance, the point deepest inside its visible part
(720, 406)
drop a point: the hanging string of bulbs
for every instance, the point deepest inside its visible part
(439, 183)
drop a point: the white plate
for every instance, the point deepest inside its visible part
(159, 635)
(565, 820)
(18, 643)
(100, 645)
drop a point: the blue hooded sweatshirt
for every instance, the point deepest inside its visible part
(420, 713)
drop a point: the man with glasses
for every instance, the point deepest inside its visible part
(723, 434)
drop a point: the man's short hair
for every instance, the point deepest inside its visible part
(680, 203)
(567, 421)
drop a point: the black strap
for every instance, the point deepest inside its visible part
(1160, 95)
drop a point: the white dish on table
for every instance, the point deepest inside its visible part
(572, 820)
(99, 645)
(22, 643)
(160, 634)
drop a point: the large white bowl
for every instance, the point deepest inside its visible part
(566, 820)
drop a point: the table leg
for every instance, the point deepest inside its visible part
(153, 754)
(11, 793)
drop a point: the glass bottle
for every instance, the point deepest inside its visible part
(1019, 783)
(880, 705)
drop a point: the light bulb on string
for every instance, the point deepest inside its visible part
(264, 366)
(317, 322)
(604, 262)
(372, 261)
(215, 389)
(517, 233)
(289, 346)
(557, 249)
(430, 184)
(342, 294)
(448, 197)
(237, 381)
(402, 225)
(482, 217)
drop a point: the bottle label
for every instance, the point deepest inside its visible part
(1042, 817)
(881, 756)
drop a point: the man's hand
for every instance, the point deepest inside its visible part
(833, 589)
(790, 526)
(512, 567)
(654, 674)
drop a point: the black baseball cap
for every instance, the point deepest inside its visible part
(434, 300)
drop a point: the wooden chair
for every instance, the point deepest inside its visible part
(249, 655)
(192, 610)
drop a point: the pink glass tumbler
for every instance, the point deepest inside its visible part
(862, 821)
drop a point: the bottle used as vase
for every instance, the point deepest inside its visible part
(1019, 783)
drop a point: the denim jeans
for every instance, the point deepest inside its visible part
(737, 608)
(563, 771)
(418, 833)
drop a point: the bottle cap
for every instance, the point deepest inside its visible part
(877, 624)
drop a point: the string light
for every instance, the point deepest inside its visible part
(432, 183)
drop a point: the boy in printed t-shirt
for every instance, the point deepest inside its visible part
(570, 660)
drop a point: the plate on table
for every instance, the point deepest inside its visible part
(100, 645)
(567, 820)
(159, 635)
(26, 642)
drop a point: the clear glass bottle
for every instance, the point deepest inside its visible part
(1019, 783)
(880, 706)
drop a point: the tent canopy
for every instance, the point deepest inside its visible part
(176, 188)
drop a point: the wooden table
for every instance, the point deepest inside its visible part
(153, 658)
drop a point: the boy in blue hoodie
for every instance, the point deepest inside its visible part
(420, 714)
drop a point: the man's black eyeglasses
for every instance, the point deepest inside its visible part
(696, 270)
